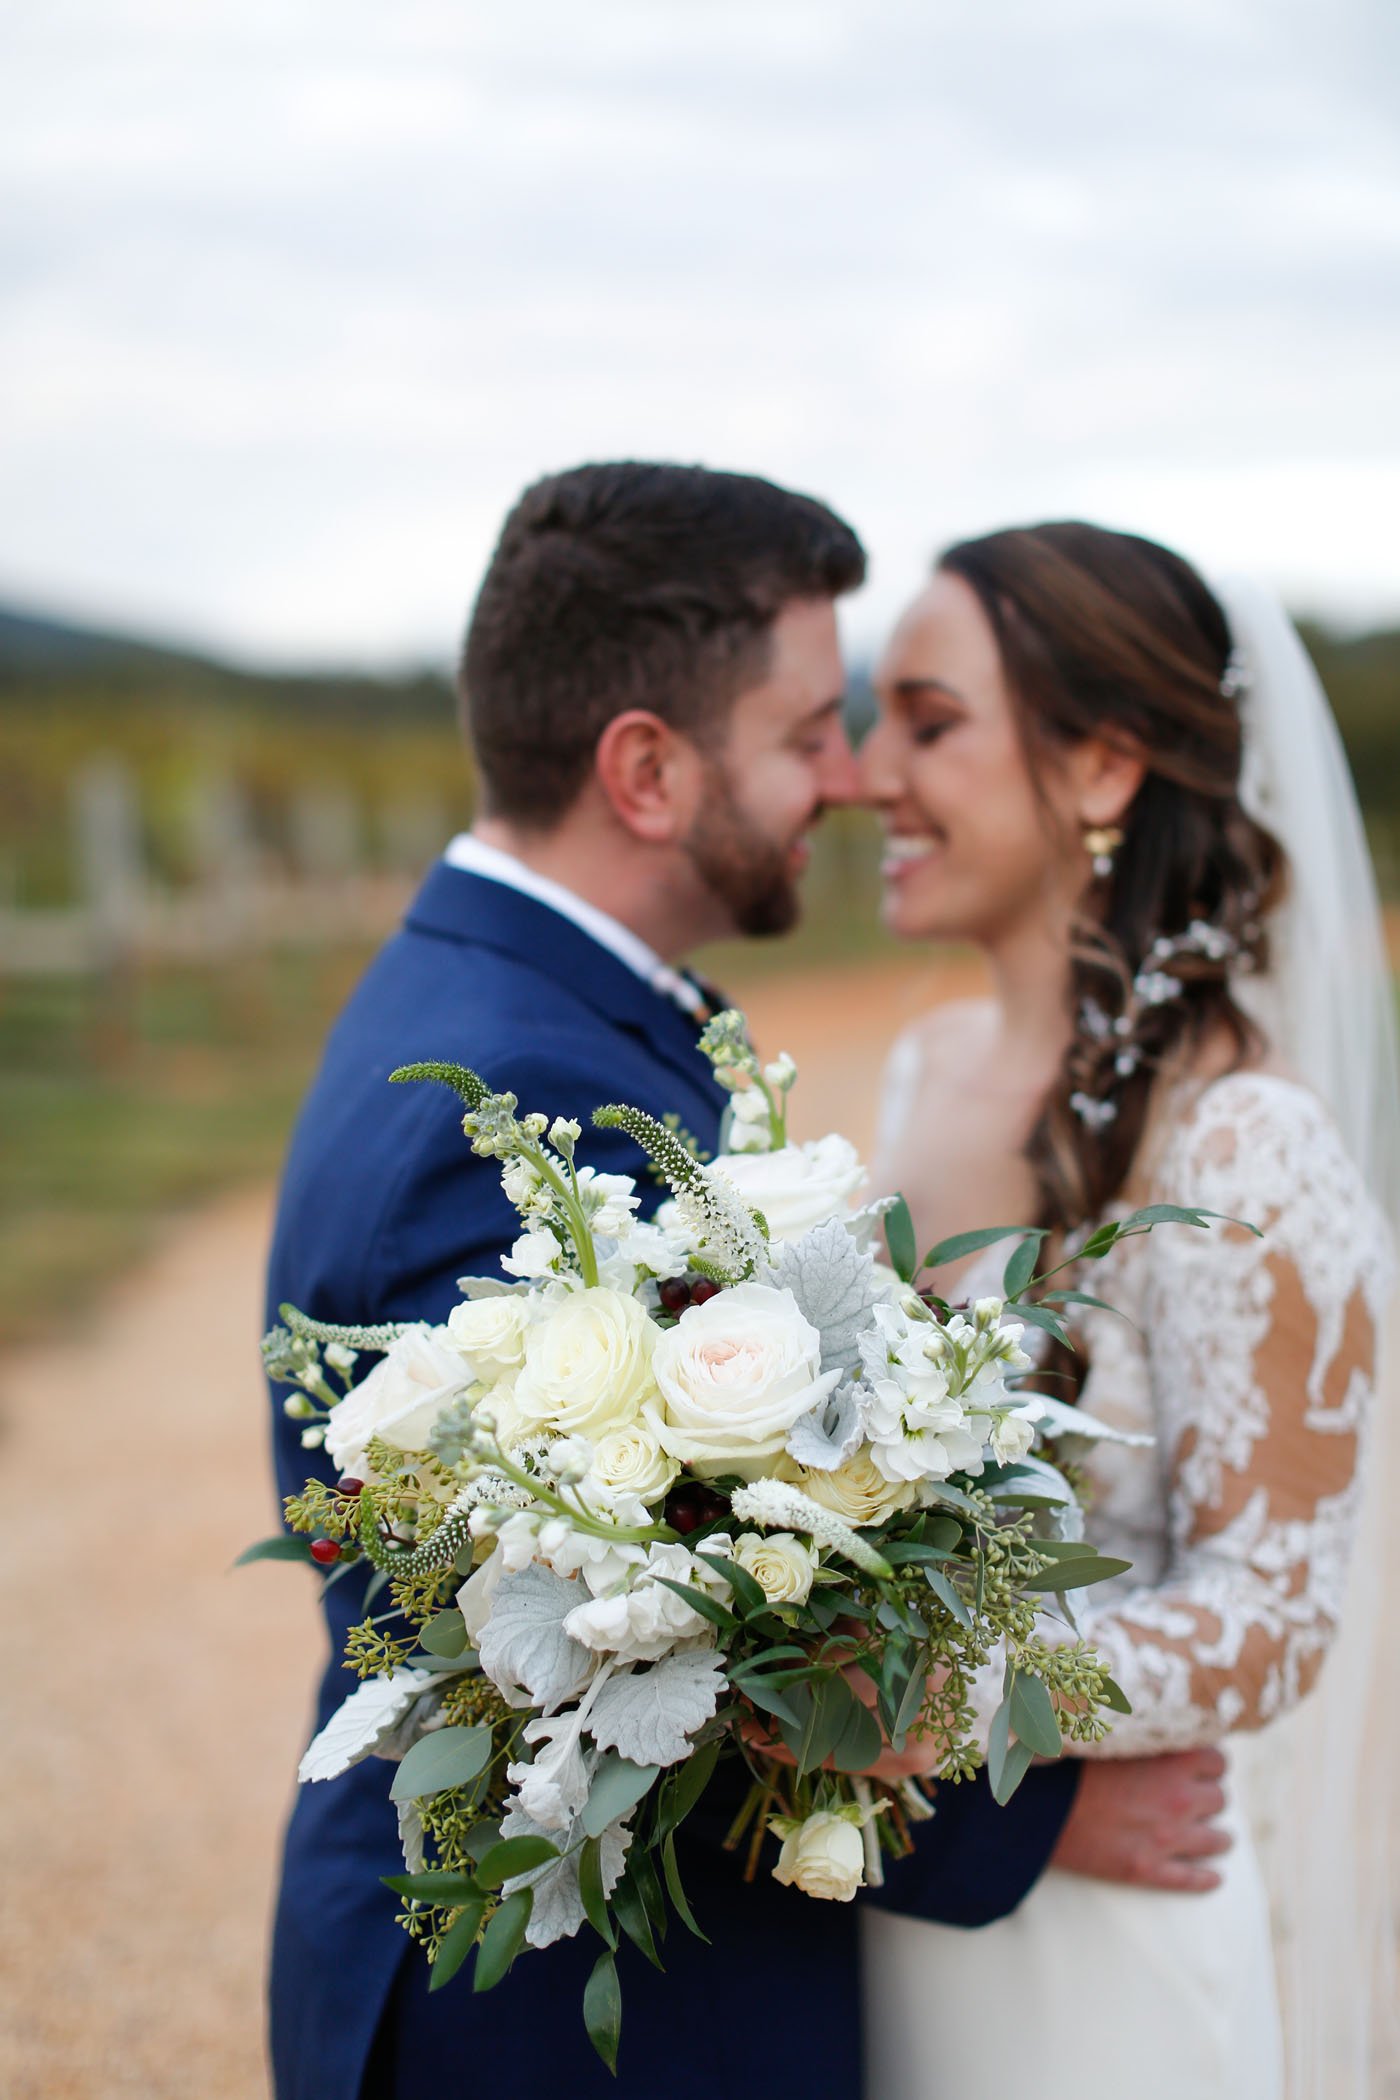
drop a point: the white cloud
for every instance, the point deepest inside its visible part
(295, 301)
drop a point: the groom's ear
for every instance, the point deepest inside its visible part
(651, 776)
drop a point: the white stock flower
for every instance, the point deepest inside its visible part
(587, 1363)
(824, 1856)
(781, 1073)
(799, 1186)
(1012, 1436)
(609, 1200)
(734, 1374)
(779, 1563)
(918, 1429)
(490, 1332)
(629, 1461)
(647, 1620)
(399, 1401)
(533, 1255)
(858, 1491)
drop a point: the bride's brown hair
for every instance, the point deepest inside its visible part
(1103, 634)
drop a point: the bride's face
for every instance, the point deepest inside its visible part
(976, 847)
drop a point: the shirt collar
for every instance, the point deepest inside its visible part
(474, 857)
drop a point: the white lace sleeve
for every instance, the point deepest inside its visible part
(1261, 1360)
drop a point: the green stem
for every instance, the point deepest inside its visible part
(572, 1207)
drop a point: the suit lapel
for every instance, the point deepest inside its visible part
(457, 906)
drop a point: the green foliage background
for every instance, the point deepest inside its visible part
(121, 1101)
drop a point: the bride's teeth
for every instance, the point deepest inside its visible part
(907, 849)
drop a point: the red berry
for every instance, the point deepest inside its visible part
(674, 1294)
(325, 1552)
(702, 1292)
(685, 1519)
(349, 1485)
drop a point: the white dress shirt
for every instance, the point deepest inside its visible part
(475, 857)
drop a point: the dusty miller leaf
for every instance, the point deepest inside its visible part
(649, 1715)
(831, 1433)
(833, 1279)
(411, 1837)
(368, 1720)
(558, 1912)
(523, 1647)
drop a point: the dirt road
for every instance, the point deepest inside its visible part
(155, 1702)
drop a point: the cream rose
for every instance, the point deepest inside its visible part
(399, 1401)
(858, 1491)
(779, 1563)
(825, 1856)
(799, 1186)
(587, 1364)
(490, 1332)
(629, 1461)
(733, 1376)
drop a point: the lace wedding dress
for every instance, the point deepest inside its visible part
(1250, 1362)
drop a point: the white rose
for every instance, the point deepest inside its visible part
(399, 1401)
(734, 1374)
(587, 1364)
(779, 1562)
(799, 1186)
(490, 1332)
(858, 1491)
(629, 1461)
(825, 1856)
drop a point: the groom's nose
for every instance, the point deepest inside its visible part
(839, 777)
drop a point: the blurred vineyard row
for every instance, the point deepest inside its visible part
(196, 860)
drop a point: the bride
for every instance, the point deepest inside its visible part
(1128, 793)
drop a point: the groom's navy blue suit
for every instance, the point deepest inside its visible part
(383, 1207)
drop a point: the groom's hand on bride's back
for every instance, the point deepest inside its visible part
(1150, 1821)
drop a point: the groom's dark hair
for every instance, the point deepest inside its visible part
(631, 585)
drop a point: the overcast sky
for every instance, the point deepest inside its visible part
(294, 298)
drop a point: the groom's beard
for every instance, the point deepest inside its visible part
(749, 872)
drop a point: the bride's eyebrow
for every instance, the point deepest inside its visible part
(915, 689)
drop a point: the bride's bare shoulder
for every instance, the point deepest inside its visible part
(950, 1034)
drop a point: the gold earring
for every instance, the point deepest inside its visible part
(1102, 842)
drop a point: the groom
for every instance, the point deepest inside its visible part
(652, 684)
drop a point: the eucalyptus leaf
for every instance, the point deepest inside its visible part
(502, 1940)
(689, 1783)
(618, 1785)
(457, 1944)
(1040, 1316)
(445, 1635)
(699, 1600)
(363, 1725)
(947, 1593)
(1076, 1574)
(1033, 1716)
(439, 1886)
(512, 1856)
(446, 1758)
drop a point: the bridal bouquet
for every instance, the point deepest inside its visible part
(726, 1484)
